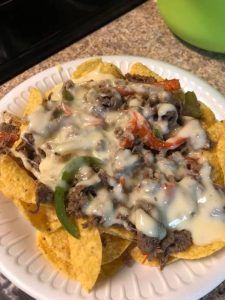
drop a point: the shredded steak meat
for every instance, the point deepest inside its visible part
(109, 99)
(9, 128)
(175, 241)
(27, 148)
(9, 133)
(193, 166)
(104, 177)
(43, 193)
(77, 197)
(140, 78)
(148, 245)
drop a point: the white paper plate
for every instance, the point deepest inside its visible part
(24, 265)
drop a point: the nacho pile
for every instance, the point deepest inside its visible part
(109, 167)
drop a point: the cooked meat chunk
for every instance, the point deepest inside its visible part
(175, 241)
(109, 99)
(140, 78)
(104, 177)
(9, 133)
(77, 197)
(9, 128)
(27, 148)
(193, 166)
(43, 193)
(148, 245)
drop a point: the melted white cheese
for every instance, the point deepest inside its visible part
(189, 204)
(146, 224)
(194, 133)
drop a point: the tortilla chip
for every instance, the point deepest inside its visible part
(216, 131)
(216, 173)
(44, 220)
(15, 183)
(35, 98)
(96, 64)
(140, 258)
(221, 155)
(86, 255)
(119, 232)
(55, 92)
(196, 252)
(207, 116)
(110, 269)
(140, 69)
(18, 186)
(112, 247)
(57, 254)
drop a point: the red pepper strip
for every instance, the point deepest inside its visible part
(67, 110)
(169, 85)
(8, 138)
(124, 91)
(122, 181)
(140, 128)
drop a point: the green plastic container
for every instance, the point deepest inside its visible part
(199, 22)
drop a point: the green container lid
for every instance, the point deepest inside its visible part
(199, 22)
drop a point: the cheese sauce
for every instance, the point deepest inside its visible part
(179, 198)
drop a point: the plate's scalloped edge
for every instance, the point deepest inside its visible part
(161, 285)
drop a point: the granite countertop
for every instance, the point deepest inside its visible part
(140, 32)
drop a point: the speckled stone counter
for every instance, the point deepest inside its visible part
(140, 32)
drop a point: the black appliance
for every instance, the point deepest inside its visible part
(31, 30)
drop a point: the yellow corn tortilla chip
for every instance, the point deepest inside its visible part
(46, 218)
(216, 131)
(110, 269)
(15, 183)
(96, 65)
(57, 254)
(140, 258)
(86, 255)
(207, 116)
(119, 232)
(18, 186)
(216, 173)
(112, 247)
(221, 155)
(196, 252)
(35, 98)
(140, 69)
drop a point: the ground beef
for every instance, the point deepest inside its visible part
(43, 194)
(175, 241)
(77, 197)
(9, 134)
(140, 78)
(28, 149)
